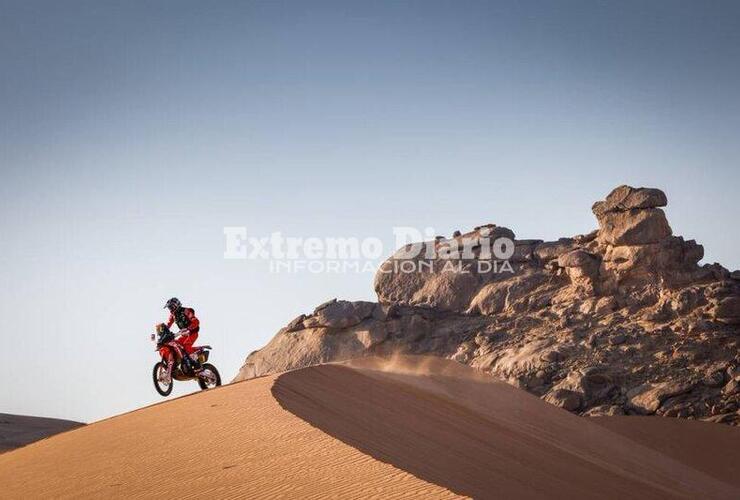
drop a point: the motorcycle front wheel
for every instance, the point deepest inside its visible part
(209, 380)
(159, 375)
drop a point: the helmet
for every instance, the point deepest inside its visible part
(173, 303)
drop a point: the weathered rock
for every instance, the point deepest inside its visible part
(491, 232)
(727, 310)
(725, 418)
(565, 399)
(339, 314)
(527, 359)
(578, 258)
(423, 282)
(605, 305)
(524, 250)
(646, 398)
(325, 304)
(371, 334)
(732, 387)
(582, 268)
(604, 411)
(506, 293)
(551, 250)
(634, 227)
(671, 260)
(678, 407)
(687, 299)
(382, 312)
(714, 377)
(593, 383)
(626, 198)
(583, 239)
(446, 291)
(617, 339)
(491, 299)
(296, 324)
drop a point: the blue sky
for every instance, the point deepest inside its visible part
(133, 132)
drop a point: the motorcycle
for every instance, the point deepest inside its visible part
(207, 378)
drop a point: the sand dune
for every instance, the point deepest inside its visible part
(232, 442)
(375, 429)
(19, 430)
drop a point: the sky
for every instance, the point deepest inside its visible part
(132, 133)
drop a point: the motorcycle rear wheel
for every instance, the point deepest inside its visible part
(162, 388)
(205, 384)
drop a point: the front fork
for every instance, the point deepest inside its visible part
(170, 360)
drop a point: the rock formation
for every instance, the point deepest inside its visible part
(622, 320)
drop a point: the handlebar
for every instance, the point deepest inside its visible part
(156, 338)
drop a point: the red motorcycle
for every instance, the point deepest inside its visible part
(207, 377)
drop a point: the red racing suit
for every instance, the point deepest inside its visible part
(186, 320)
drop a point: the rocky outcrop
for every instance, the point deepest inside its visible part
(625, 198)
(619, 320)
(634, 227)
(336, 314)
(647, 398)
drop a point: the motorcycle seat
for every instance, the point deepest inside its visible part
(201, 347)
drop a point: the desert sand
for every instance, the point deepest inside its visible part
(405, 428)
(19, 430)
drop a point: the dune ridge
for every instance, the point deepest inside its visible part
(408, 427)
(232, 442)
(20, 430)
(525, 447)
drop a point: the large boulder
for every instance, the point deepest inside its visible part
(563, 398)
(624, 198)
(527, 359)
(647, 398)
(339, 314)
(582, 268)
(312, 346)
(634, 227)
(499, 295)
(444, 274)
(579, 258)
(629, 216)
(594, 384)
(671, 259)
(727, 310)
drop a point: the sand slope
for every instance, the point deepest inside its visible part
(19, 430)
(232, 442)
(429, 429)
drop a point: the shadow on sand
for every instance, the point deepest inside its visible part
(452, 445)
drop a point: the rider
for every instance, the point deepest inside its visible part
(189, 325)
